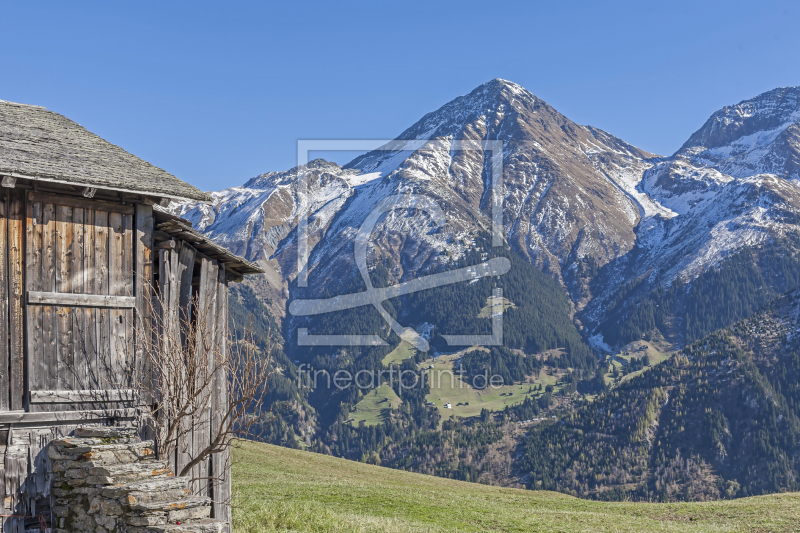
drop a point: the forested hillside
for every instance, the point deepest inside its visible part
(720, 419)
(685, 312)
(537, 319)
(250, 319)
(611, 247)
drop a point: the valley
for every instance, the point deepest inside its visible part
(625, 267)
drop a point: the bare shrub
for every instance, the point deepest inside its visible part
(203, 384)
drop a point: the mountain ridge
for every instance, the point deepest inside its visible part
(573, 196)
(636, 248)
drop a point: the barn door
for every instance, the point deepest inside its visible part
(79, 302)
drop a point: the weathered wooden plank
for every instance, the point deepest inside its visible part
(220, 462)
(78, 272)
(168, 289)
(103, 323)
(65, 354)
(84, 396)
(207, 311)
(83, 203)
(89, 314)
(143, 280)
(168, 316)
(33, 281)
(49, 362)
(40, 478)
(4, 362)
(160, 300)
(22, 417)
(81, 300)
(186, 259)
(15, 472)
(16, 258)
(116, 286)
(185, 301)
(128, 259)
(128, 266)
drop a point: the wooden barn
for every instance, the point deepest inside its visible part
(82, 242)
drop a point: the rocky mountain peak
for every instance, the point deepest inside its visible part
(771, 111)
(271, 179)
(756, 136)
(573, 196)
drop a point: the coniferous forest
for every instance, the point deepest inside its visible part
(718, 420)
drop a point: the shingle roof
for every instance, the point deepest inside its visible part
(182, 229)
(39, 144)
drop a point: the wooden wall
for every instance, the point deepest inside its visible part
(12, 223)
(187, 278)
(75, 280)
(80, 302)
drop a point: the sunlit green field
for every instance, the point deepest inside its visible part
(656, 352)
(375, 406)
(278, 489)
(402, 352)
(447, 387)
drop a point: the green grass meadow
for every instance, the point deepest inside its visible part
(279, 489)
(374, 407)
(447, 387)
(402, 352)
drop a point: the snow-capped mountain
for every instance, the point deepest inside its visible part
(732, 183)
(569, 192)
(253, 220)
(757, 136)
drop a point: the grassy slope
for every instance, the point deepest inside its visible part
(658, 353)
(375, 406)
(279, 489)
(446, 387)
(402, 352)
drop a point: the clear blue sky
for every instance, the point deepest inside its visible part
(218, 92)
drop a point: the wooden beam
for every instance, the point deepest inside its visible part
(63, 299)
(84, 203)
(220, 462)
(22, 417)
(16, 264)
(164, 245)
(161, 236)
(143, 289)
(4, 347)
(83, 396)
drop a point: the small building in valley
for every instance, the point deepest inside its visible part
(83, 246)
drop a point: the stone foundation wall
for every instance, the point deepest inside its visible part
(106, 479)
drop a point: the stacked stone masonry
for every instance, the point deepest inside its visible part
(106, 479)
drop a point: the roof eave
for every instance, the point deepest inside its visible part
(181, 228)
(199, 197)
